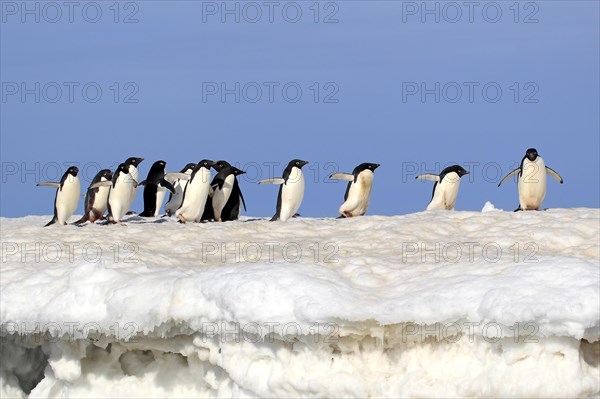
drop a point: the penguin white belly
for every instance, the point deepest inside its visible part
(101, 199)
(292, 194)
(359, 194)
(119, 200)
(221, 196)
(67, 199)
(196, 194)
(129, 180)
(176, 199)
(160, 197)
(446, 193)
(532, 184)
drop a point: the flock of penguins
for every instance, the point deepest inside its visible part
(194, 197)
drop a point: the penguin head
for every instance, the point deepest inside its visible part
(133, 161)
(531, 154)
(299, 163)
(220, 165)
(237, 172)
(122, 168)
(189, 166)
(106, 173)
(158, 166)
(205, 163)
(365, 166)
(73, 170)
(459, 170)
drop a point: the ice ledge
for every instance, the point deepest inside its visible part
(395, 361)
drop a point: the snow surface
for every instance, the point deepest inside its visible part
(432, 304)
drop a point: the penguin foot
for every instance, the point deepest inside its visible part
(131, 213)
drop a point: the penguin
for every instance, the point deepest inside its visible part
(445, 189)
(132, 164)
(231, 210)
(67, 196)
(155, 187)
(196, 192)
(358, 191)
(531, 182)
(120, 192)
(223, 185)
(96, 199)
(291, 190)
(176, 198)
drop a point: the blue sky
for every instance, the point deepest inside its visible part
(360, 66)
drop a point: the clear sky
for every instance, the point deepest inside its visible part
(335, 83)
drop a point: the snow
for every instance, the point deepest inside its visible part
(430, 304)
(489, 207)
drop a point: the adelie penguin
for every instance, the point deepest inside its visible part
(358, 191)
(175, 199)
(223, 186)
(155, 189)
(96, 198)
(67, 196)
(231, 210)
(120, 192)
(291, 190)
(445, 189)
(196, 192)
(532, 180)
(132, 164)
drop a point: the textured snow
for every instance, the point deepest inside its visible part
(355, 307)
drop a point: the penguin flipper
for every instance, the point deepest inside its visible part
(243, 202)
(272, 180)
(83, 219)
(164, 183)
(142, 183)
(342, 176)
(553, 173)
(508, 176)
(172, 176)
(429, 176)
(49, 184)
(106, 183)
(54, 220)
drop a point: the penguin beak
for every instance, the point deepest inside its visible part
(376, 166)
(304, 163)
